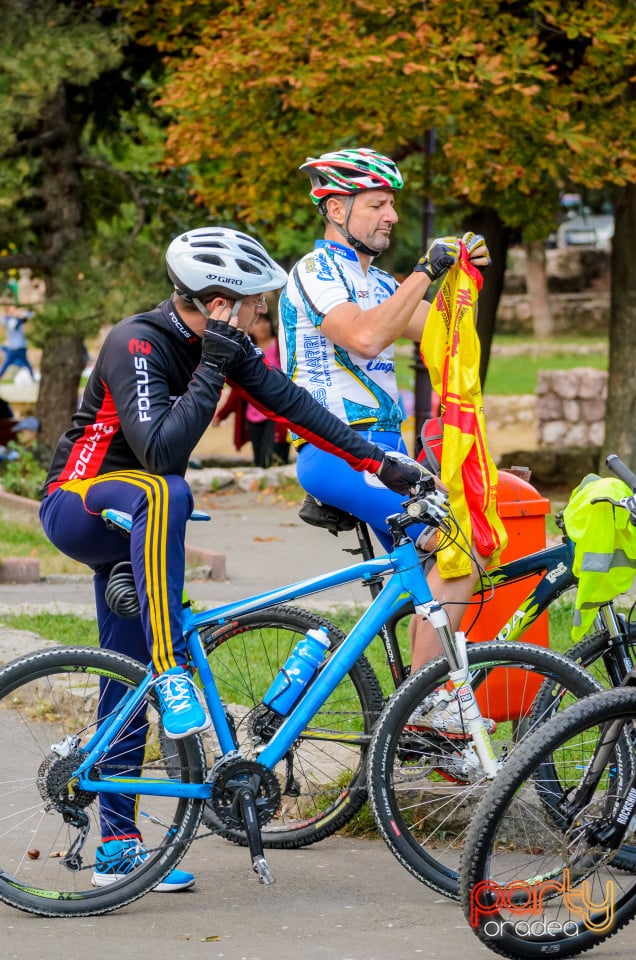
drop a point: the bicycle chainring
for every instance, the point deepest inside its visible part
(234, 775)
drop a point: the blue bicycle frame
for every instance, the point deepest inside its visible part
(406, 580)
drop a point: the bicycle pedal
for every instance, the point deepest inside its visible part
(261, 867)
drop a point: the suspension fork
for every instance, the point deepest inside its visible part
(612, 834)
(618, 661)
(454, 646)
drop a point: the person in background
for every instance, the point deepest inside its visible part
(268, 436)
(15, 345)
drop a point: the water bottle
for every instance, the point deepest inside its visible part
(297, 671)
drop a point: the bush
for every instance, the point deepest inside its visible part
(22, 475)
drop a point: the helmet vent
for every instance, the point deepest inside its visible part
(209, 258)
(247, 267)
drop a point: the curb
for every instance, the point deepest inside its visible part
(196, 555)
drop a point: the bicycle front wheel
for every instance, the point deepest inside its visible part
(598, 654)
(323, 776)
(424, 786)
(51, 830)
(539, 876)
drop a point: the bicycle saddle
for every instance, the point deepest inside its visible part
(318, 514)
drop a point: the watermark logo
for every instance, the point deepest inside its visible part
(527, 902)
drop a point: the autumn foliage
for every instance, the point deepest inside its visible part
(525, 98)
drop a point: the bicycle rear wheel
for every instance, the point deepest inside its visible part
(48, 712)
(424, 786)
(323, 777)
(569, 891)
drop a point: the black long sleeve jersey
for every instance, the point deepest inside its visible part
(149, 400)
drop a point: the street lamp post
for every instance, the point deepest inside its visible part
(422, 391)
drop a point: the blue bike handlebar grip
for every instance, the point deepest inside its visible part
(621, 470)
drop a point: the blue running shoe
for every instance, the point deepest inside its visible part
(181, 711)
(115, 859)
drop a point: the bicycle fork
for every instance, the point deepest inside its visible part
(609, 832)
(454, 646)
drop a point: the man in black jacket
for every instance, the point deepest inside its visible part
(150, 397)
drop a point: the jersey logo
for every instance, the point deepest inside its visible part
(87, 449)
(320, 265)
(185, 332)
(143, 393)
(379, 364)
(139, 346)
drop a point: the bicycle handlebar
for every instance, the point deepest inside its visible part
(621, 470)
(428, 505)
(623, 473)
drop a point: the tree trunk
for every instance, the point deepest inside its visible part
(537, 287)
(63, 351)
(486, 220)
(620, 423)
(61, 368)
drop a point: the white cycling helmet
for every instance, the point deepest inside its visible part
(217, 260)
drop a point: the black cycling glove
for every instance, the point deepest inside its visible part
(223, 346)
(400, 474)
(440, 257)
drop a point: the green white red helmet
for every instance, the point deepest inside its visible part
(346, 172)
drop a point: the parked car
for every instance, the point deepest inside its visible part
(587, 230)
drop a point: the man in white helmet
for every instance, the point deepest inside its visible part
(340, 316)
(151, 395)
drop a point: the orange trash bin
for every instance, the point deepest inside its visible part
(523, 511)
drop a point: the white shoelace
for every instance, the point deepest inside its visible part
(176, 692)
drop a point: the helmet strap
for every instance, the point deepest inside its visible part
(201, 307)
(344, 229)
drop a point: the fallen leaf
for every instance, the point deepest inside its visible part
(267, 539)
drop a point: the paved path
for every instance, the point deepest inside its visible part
(342, 899)
(264, 545)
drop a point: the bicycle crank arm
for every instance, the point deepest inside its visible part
(253, 834)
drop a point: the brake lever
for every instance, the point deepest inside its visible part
(434, 507)
(627, 503)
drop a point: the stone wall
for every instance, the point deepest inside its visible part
(570, 407)
(572, 313)
(578, 284)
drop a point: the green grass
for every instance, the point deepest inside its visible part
(79, 631)
(65, 629)
(516, 373)
(21, 535)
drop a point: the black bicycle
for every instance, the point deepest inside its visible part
(549, 864)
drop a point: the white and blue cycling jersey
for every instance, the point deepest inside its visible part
(361, 391)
